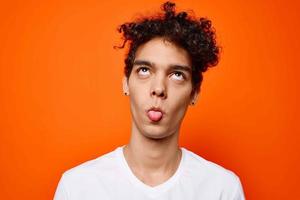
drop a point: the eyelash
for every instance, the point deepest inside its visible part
(140, 68)
(180, 73)
(175, 72)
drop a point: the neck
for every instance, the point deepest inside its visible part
(153, 155)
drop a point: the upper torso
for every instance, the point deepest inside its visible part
(109, 177)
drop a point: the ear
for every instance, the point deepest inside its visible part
(194, 96)
(125, 85)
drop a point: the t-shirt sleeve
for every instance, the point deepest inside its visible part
(60, 193)
(239, 193)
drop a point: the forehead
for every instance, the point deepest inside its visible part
(163, 53)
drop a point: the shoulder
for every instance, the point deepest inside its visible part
(99, 166)
(85, 178)
(207, 168)
(211, 173)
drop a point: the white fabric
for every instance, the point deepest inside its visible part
(109, 177)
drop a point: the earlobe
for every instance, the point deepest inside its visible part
(194, 97)
(125, 86)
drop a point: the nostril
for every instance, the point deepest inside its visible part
(161, 94)
(158, 93)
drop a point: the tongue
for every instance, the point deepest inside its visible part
(155, 115)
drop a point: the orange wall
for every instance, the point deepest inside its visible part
(61, 101)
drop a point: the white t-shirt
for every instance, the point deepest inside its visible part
(109, 177)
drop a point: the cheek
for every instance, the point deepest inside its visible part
(138, 96)
(137, 87)
(180, 100)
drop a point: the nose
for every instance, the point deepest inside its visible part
(158, 88)
(158, 92)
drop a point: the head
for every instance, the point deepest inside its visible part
(163, 69)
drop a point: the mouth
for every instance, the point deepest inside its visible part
(155, 114)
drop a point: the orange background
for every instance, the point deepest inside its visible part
(61, 101)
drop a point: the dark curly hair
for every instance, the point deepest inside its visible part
(196, 36)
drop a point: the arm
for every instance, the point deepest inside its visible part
(60, 193)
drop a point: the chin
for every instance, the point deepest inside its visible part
(156, 133)
(155, 137)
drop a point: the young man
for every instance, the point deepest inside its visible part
(163, 73)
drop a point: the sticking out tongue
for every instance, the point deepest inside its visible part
(154, 115)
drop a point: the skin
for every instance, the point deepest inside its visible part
(161, 77)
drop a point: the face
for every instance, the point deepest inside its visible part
(159, 88)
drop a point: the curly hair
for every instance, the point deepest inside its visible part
(196, 36)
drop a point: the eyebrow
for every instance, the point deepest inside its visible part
(172, 66)
(143, 62)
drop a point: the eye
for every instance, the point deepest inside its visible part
(178, 76)
(143, 71)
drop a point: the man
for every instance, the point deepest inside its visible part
(163, 73)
